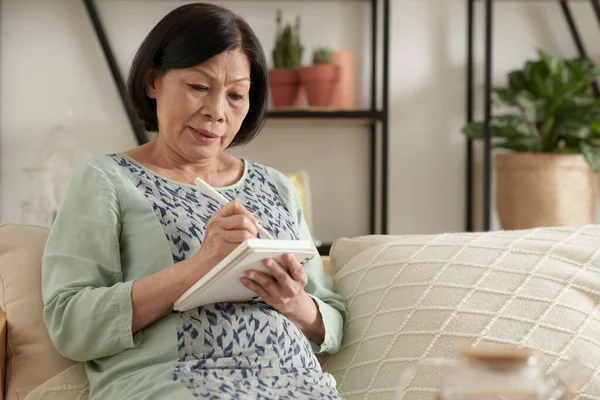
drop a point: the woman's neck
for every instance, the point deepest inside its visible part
(222, 170)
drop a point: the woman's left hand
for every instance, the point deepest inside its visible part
(284, 291)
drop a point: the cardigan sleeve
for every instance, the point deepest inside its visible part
(87, 306)
(320, 284)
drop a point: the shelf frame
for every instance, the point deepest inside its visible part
(318, 115)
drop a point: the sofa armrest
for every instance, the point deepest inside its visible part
(3, 344)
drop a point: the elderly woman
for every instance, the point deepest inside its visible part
(134, 233)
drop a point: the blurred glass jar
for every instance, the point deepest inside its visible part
(503, 373)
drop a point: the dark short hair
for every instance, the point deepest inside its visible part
(190, 35)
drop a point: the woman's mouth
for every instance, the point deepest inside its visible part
(203, 136)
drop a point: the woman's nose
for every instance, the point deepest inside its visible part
(214, 108)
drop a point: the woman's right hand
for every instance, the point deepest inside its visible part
(153, 295)
(226, 229)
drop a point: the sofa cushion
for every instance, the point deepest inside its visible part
(428, 296)
(31, 357)
(344, 249)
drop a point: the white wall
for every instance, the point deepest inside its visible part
(53, 72)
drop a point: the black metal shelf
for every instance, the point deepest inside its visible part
(324, 249)
(488, 67)
(365, 115)
(315, 114)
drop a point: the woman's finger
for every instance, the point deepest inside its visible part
(264, 280)
(239, 222)
(257, 288)
(276, 291)
(299, 274)
(296, 270)
(236, 236)
(234, 207)
(279, 272)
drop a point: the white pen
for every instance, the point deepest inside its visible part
(221, 199)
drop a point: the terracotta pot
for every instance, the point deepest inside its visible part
(540, 190)
(285, 87)
(344, 97)
(319, 83)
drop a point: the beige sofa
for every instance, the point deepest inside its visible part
(409, 298)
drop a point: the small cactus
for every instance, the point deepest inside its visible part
(322, 55)
(288, 50)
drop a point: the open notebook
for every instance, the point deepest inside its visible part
(222, 283)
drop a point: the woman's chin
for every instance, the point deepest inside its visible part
(198, 151)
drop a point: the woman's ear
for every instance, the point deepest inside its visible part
(151, 80)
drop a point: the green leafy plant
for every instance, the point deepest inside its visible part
(288, 50)
(321, 55)
(547, 107)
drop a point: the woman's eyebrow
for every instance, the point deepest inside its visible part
(212, 77)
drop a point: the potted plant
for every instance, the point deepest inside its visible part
(549, 122)
(287, 55)
(319, 79)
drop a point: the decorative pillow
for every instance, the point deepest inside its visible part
(31, 356)
(427, 296)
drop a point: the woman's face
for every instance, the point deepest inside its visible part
(200, 109)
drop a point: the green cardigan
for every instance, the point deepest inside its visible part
(105, 236)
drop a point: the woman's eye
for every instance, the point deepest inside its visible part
(236, 96)
(200, 88)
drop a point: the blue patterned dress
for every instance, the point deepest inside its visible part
(233, 350)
